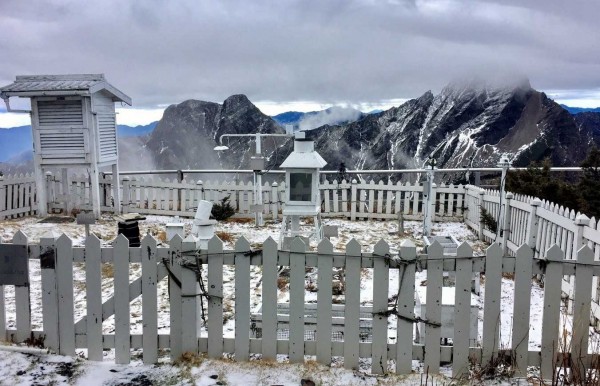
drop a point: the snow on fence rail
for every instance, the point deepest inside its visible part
(199, 275)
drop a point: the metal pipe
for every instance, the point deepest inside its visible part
(25, 350)
(394, 171)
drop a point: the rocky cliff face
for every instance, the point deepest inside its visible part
(465, 125)
(188, 132)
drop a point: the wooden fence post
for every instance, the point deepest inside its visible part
(353, 200)
(406, 307)
(491, 307)
(22, 300)
(433, 309)
(191, 313)
(324, 304)
(297, 273)
(505, 230)
(175, 299)
(581, 310)
(551, 317)
(49, 290)
(532, 228)
(381, 273)
(275, 200)
(352, 310)
(462, 310)
(126, 195)
(215, 298)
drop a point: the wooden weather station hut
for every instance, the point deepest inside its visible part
(74, 126)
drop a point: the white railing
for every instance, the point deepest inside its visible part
(354, 200)
(85, 305)
(17, 196)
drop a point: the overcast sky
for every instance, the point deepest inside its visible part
(303, 54)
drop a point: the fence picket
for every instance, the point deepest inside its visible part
(269, 300)
(405, 307)
(93, 290)
(149, 300)
(297, 273)
(521, 308)
(581, 309)
(22, 301)
(49, 294)
(215, 298)
(380, 306)
(242, 300)
(2, 304)
(121, 295)
(64, 283)
(433, 311)
(462, 310)
(191, 311)
(491, 310)
(175, 306)
(551, 316)
(352, 306)
(324, 295)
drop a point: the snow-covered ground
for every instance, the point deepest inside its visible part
(21, 369)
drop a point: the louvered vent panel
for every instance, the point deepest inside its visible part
(66, 144)
(60, 113)
(108, 135)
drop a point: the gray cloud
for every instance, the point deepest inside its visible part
(337, 51)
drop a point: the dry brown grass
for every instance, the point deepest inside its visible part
(225, 236)
(162, 236)
(240, 220)
(282, 282)
(108, 270)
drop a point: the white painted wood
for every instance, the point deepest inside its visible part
(64, 281)
(175, 290)
(242, 300)
(551, 316)
(381, 253)
(353, 201)
(462, 310)
(191, 313)
(22, 300)
(215, 301)
(149, 300)
(49, 290)
(581, 309)
(405, 308)
(2, 306)
(521, 308)
(93, 290)
(491, 308)
(352, 307)
(433, 312)
(297, 274)
(269, 300)
(324, 296)
(121, 296)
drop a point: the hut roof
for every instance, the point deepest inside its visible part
(51, 85)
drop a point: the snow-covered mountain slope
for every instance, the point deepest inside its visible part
(467, 124)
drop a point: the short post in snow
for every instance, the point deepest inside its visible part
(505, 164)
(428, 197)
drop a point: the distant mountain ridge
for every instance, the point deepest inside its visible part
(17, 140)
(335, 115)
(577, 110)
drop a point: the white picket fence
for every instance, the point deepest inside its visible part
(17, 196)
(104, 319)
(153, 195)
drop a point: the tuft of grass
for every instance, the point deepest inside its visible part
(108, 270)
(282, 282)
(226, 237)
(240, 220)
